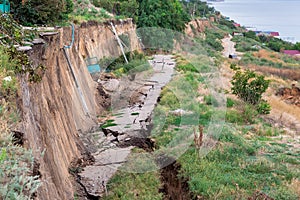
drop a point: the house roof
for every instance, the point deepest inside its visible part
(236, 24)
(291, 52)
(274, 34)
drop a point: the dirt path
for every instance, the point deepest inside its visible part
(228, 46)
(132, 124)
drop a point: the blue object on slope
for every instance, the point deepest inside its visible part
(92, 65)
(4, 6)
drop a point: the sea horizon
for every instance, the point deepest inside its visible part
(264, 15)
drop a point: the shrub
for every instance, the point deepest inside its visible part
(263, 107)
(230, 103)
(16, 163)
(249, 86)
(249, 113)
(210, 100)
(42, 11)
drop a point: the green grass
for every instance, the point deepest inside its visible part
(244, 44)
(235, 170)
(239, 165)
(245, 159)
(130, 186)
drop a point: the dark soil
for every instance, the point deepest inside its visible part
(290, 95)
(174, 188)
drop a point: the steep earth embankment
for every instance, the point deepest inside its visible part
(197, 26)
(55, 110)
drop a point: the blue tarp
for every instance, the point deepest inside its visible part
(92, 65)
(4, 6)
(94, 68)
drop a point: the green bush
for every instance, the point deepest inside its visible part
(186, 67)
(210, 100)
(120, 7)
(249, 86)
(16, 165)
(213, 38)
(230, 103)
(233, 116)
(42, 11)
(263, 107)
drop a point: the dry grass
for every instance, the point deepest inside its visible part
(291, 74)
(295, 186)
(284, 114)
(269, 55)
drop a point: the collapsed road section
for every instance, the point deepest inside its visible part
(131, 124)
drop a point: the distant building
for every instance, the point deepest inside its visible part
(292, 52)
(237, 25)
(237, 34)
(274, 34)
(267, 33)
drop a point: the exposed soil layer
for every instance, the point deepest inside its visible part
(290, 95)
(174, 188)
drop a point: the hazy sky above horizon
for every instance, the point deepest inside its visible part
(268, 15)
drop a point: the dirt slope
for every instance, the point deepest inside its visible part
(53, 112)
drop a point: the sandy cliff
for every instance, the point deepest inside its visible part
(54, 110)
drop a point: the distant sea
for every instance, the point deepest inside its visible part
(265, 15)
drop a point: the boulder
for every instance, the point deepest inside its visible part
(111, 85)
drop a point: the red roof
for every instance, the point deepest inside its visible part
(274, 34)
(291, 52)
(236, 24)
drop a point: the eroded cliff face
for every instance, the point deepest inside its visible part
(196, 27)
(55, 110)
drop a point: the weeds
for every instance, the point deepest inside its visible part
(16, 162)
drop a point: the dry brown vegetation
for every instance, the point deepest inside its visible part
(291, 74)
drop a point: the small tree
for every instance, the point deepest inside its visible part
(249, 86)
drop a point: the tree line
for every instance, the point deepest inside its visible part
(170, 14)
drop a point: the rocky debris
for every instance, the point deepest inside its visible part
(112, 145)
(104, 98)
(290, 95)
(106, 76)
(111, 85)
(38, 41)
(48, 33)
(8, 78)
(24, 48)
(27, 43)
(39, 28)
(95, 177)
(179, 112)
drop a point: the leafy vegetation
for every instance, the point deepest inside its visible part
(168, 15)
(137, 62)
(12, 35)
(16, 162)
(235, 168)
(244, 44)
(198, 8)
(41, 12)
(120, 7)
(85, 11)
(249, 86)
